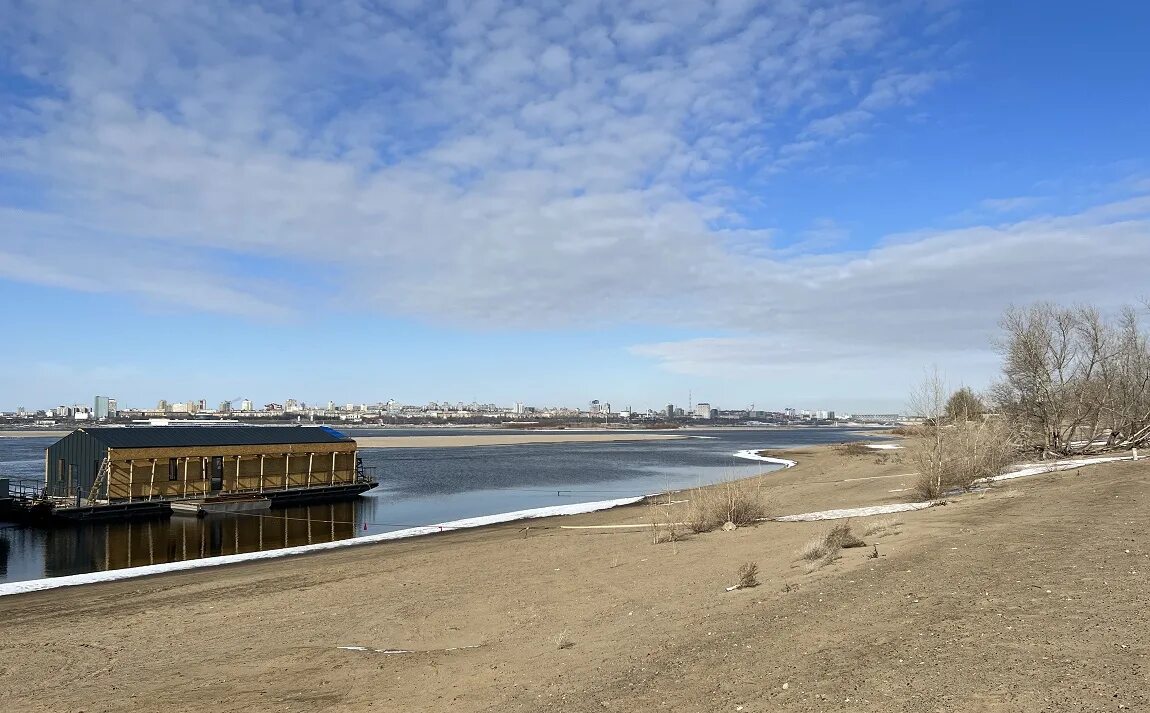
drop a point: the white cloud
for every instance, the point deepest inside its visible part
(499, 149)
(918, 299)
(498, 164)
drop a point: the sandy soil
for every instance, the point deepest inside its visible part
(1032, 597)
(507, 439)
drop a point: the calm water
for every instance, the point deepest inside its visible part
(418, 486)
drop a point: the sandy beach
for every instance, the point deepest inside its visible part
(1029, 597)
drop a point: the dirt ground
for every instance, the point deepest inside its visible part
(1031, 597)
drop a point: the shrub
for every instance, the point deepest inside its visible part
(906, 431)
(956, 457)
(740, 502)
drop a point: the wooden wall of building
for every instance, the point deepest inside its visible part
(142, 473)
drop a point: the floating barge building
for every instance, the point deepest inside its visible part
(131, 471)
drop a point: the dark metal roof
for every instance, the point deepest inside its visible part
(191, 436)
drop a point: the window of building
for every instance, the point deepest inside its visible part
(173, 469)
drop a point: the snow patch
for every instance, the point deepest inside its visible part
(36, 585)
(884, 446)
(1040, 468)
(754, 455)
(855, 512)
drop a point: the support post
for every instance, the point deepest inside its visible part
(131, 479)
(310, 461)
(238, 484)
(261, 485)
(332, 468)
(287, 472)
(187, 461)
(152, 482)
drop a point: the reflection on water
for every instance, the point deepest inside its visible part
(93, 547)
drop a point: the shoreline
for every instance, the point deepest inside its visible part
(420, 531)
(480, 522)
(114, 575)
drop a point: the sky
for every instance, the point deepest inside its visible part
(787, 203)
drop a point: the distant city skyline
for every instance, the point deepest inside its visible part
(790, 203)
(104, 407)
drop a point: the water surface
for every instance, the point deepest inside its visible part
(418, 486)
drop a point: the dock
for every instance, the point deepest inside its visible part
(221, 505)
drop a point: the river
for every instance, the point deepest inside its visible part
(418, 486)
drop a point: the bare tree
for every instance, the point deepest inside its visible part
(964, 405)
(1073, 381)
(1054, 388)
(1127, 413)
(928, 449)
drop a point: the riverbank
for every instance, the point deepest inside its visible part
(1028, 597)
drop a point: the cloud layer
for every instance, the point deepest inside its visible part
(501, 164)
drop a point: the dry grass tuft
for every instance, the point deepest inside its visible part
(740, 502)
(563, 640)
(842, 536)
(748, 576)
(855, 449)
(881, 527)
(664, 527)
(815, 549)
(825, 549)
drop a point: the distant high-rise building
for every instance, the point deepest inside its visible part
(162, 405)
(101, 410)
(670, 410)
(246, 405)
(113, 408)
(703, 409)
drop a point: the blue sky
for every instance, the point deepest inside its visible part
(786, 203)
